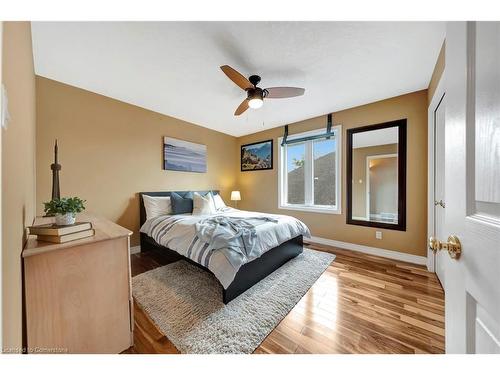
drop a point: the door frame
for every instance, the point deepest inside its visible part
(433, 105)
(367, 178)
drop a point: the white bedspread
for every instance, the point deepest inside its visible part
(178, 233)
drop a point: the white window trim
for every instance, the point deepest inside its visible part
(337, 210)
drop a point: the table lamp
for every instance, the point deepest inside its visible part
(235, 196)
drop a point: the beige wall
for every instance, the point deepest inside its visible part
(437, 73)
(259, 189)
(359, 174)
(110, 151)
(18, 170)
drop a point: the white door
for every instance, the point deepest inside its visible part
(472, 179)
(440, 258)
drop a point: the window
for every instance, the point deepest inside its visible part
(309, 173)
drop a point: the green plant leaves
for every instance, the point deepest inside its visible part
(64, 205)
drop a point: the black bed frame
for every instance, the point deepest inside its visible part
(248, 275)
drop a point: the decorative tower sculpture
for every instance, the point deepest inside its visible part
(56, 193)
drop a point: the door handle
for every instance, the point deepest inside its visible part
(440, 203)
(453, 246)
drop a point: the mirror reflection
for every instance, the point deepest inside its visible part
(375, 175)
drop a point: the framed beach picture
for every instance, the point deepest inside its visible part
(257, 156)
(184, 156)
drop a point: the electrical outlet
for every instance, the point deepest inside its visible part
(378, 235)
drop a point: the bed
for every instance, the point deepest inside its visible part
(248, 273)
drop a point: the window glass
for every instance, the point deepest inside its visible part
(324, 172)
(295, 158)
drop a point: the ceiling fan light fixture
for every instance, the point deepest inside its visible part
(255, 98)
(255, 95)
(255, 103)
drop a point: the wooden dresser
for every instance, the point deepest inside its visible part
(78, 295)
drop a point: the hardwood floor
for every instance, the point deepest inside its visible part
(361, 304)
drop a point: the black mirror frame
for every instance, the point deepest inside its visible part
(401, 225)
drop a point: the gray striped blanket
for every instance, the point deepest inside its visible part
(235, 236)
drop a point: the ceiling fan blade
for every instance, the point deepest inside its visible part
(284, 92)
(241, 108)
(236, 77)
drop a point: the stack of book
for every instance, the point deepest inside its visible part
(62, 233)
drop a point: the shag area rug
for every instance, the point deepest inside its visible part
(185, 303)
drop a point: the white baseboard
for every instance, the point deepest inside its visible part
(135, 249)
(410, 258)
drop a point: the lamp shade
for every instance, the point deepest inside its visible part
(235, 195)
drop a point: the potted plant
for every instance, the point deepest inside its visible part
(64, 209)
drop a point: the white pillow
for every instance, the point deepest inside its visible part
(218, 202)
(157, 206)
(203, 205)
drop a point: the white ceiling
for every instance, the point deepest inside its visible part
(375, 137)
(173, 67)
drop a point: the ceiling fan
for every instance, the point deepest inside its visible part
(256, 95)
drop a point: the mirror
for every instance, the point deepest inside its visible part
(376, 175)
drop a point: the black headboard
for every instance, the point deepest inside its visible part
(142, 210)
